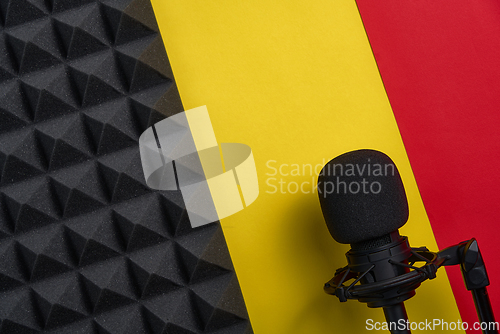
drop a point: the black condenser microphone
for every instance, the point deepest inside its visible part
(364, 204)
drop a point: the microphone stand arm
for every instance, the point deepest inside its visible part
(476, 280)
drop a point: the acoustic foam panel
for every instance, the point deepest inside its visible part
(298, 83)
(85, 245)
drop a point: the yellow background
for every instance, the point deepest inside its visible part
(297, 82)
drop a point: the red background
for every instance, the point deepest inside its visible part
(440, 64)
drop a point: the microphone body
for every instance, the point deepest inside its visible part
(364, 204)
(368, 218)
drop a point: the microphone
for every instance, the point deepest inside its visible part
(364, 204)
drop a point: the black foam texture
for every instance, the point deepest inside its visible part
(85, 245)
(362, 196)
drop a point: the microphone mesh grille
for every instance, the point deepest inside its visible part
(372, 243)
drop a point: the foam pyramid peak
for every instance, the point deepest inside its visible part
(213, 289)
(130, 182)
(125, 27)
(19, 200)
(75, 175)
(61, 86)
(81, 187)
(6, 62)
(39, 80)
(34, 46)
(61, 300)
(115, 323)
(77, 16)
(12, 141)
(94, 44)
(156, 57)
(140, 209)
(85, 24)
(227, 301)
(145, 115)
(50, 241)
(103, 67)
(145, 231)
(28, 32)
(93, 63)
(205, 310)
(95, 238)
(54, 288)
(160, 99)
(176, 311)
(12, 104)
(110, 72)
(158, 278)
(144, 58)
(198, 269)
(49, 93)
(21, 313)
(21, 192)
(17, 12)
(24, 162)
(46, 39)
(152, 259)
(64, 142)
(44, 200)
(174, 209)
(111, 274)
(149, 97)
(135, 49)
(165, 305)
(90, 225)
(197, 242)
(118, 161)
(28, 151)
(185, 316)
(59, 127)
(212, 251)
(112, 137)
(156, 324)
(92, 185)
(62, 290)
(109, 284)
(12, 272)
(142, 11)
(98, 90)
(52, 106)
(215, 319)
(117, 114)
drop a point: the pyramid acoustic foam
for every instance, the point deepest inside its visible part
(85, 245)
